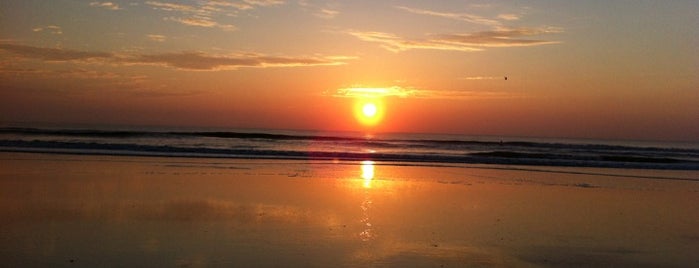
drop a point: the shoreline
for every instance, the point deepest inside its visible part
(680, 174)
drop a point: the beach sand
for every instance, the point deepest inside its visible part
(97, 211)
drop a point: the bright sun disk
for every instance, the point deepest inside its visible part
(369, 109)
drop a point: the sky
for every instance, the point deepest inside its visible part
(576, 69)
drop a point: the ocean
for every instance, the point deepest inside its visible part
(346, 146)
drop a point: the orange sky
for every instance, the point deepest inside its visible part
(614, 70)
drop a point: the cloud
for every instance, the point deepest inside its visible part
(509, 17)
(105, 5)
(264, 2)
(468, 94)
(498, 38)
(223, 3)
(157, 37)
(455, 16)
(395, 43)
(202, 61)
(203, 13)
(79, 73)
(182, 60)
(240, 5)
(327, 13)
(482, 78)
(171, 6)
(212, 7)
(53, 54)
(203, 22)
(403, 92)
(53, 29)
(323, 11)
(499, 35)
(476, 41)
(375, 92)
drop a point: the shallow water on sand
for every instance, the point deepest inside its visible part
(63, 210)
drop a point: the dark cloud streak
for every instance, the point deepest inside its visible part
(498, 38)
(53, 54)
(181, 60)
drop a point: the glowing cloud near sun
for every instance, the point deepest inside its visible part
(375, 92)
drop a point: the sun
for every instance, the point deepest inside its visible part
(369, 111)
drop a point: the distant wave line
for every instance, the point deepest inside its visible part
(367, 141)
(493, 157)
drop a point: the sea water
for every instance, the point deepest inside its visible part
(350, 146)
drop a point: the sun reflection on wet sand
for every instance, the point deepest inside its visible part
(367, 175)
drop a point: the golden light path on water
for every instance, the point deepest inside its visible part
(367, 172)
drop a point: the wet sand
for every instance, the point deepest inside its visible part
(89, 211)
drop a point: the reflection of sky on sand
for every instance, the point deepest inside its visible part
(295, 213)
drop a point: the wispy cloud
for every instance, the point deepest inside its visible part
(327, 13)
(498, 38)
(509, 17)
(203, 22)
(374, 92)
(171, 6)
(406, 92)
(467, 94)
(497, 35)
(157, 37)
(225, 3)
(204, 13)
(467, 17)
(264, 2)
(182, 60)
(471, 18)
(482, 78)
(202, 61)
(53, 29)
(53, 54)
(459, 42)
(395, 43)
(105, 5)
(78, 73)
(240, 5)
(320, 10)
